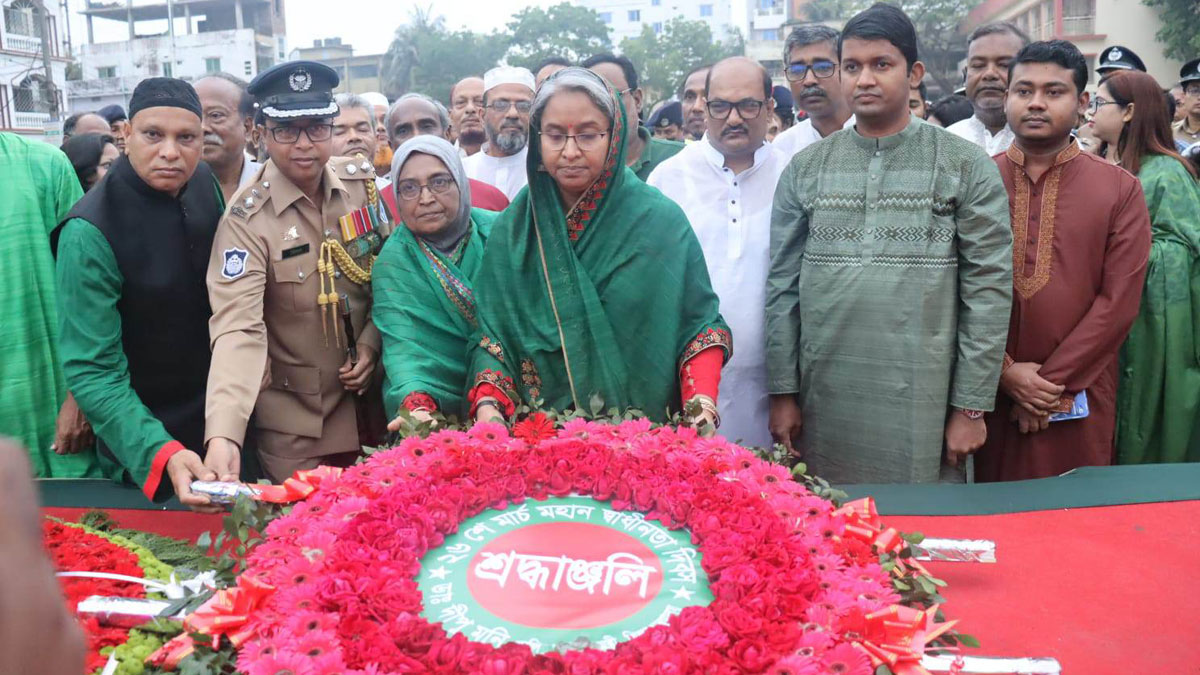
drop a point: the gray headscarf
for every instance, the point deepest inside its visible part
(435, 146)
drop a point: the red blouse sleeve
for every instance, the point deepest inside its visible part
(701, 374)
(419, 400)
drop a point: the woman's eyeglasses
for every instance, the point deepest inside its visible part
(586, 142)
(1096, 103)
(411, 189)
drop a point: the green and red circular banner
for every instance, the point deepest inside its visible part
(561, 573)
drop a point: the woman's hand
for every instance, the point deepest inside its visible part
(488, 412)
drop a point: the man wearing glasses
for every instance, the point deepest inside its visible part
(725, 183)
(811, 57)
(1187, 129)
(507, 97)
(289, 281)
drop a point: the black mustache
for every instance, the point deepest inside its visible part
(739, 128)
(813, 91)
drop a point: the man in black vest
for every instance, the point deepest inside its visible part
(133, 306)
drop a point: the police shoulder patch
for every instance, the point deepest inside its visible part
(235, 263)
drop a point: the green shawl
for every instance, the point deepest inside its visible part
(607, 299)
(1158, 396)
(425, 312)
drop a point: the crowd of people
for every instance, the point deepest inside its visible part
(244, 280)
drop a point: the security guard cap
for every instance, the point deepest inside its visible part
(1117, 57)
(1190, 72)
(295, 90)
(671, 113)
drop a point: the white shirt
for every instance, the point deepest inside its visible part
(506, 173)
(800, 136)
(973, 130)
(731, 215)
(249, 168)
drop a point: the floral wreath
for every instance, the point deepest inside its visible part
(75, 547)
(798, 583)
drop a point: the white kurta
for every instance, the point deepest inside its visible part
(731, 215)
(507, 174)
(800, 136)
(973, 130)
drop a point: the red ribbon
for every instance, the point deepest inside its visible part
(298, 487)
(227, 613)
(897, 636)
(863, 523)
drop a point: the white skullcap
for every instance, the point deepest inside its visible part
(508, 75)
(375, 98)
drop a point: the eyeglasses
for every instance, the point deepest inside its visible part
(503, 105)
(411, 189)
(585, 142)
(748, 108)
(1192, 90)
(796, 72)
(288, 134)
(1094, 106)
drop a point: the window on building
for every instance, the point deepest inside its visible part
(657, 26)
(655, 3)
(606, 17)
(767, 35)
(766, 4)
(1079, 17)
(167, 71)
(364, 71)
(635, 15)
(106, 71)
(19, 19)
(212, 65)
(249, 68)
(706, 10)
(29, 96)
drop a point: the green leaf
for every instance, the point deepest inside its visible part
(596, 404)
(967, 640)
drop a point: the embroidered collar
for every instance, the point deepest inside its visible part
(1068, 153)
(885, 142)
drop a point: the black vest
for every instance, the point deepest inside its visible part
(162, 246)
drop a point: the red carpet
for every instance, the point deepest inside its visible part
(1107, 591)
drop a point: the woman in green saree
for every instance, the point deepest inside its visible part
(1158, 395)
(593, 283)
(424, 304)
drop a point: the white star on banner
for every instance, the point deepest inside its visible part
(438, 573)
(682, 594)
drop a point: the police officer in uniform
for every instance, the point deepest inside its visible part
(1117, 57)
(289, 283)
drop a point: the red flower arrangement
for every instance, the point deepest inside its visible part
(75, 549)
(797, 589)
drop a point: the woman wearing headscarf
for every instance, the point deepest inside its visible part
(91, 155)
(424, 306)
(593, 283)
(1158, 395)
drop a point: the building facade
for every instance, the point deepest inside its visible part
(626, 18)
(24, 106)
(175, 38)
(1090, 25)
(356, 74)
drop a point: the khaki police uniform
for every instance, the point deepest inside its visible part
(264, 286)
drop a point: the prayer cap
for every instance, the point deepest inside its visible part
(295, 90)
(671, 113)
(376, 99)
(1117, 57)
(508, 75)
(1190, 72)
(112, 113)
(160, 92)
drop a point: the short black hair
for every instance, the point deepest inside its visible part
(1059, 52)
(84, 151)
(626, 66)
(923, 91)
(951, 109)
(693, 71)
(551, 61)
(70, 122)
(768, 85)
(883, 22)
(246, 101)
(997, 28)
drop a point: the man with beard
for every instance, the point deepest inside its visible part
(725, 183)
(466, 110)
(1081, 238)
(890, 281)
(990, 48)
(228, 118)
(507, 98)
(133, 311)
(642, 152)
(811, 57)
(416, 114)
(691, 96)
(289, 279)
